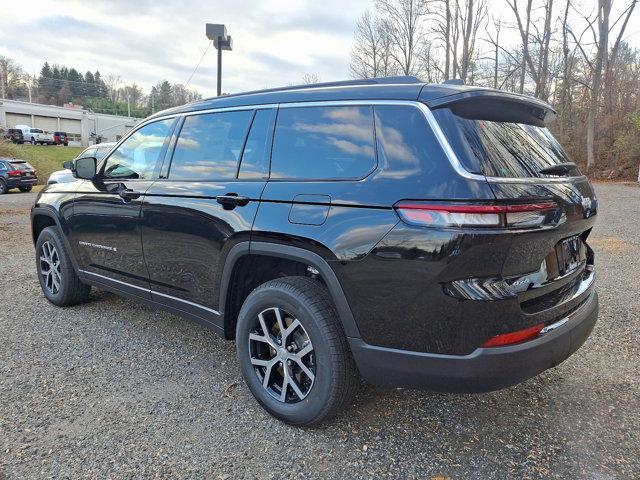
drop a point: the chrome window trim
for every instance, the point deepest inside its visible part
(426, 111)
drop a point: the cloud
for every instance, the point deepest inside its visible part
(275, 41)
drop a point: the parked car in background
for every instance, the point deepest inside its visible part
(35, 135)
(97, 151)
(16, 174)
(60, 138)
(13, 135)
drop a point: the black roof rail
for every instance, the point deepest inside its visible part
(403, 79)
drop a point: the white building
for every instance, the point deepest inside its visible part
(81, 125)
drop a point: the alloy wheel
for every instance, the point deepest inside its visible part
(282, 355)
(50, 267)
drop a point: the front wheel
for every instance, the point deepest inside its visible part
(3, 187)
(293, 352)
(58, 279)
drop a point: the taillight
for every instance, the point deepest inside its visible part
(514, 337)
(523, 215)
(14, 173)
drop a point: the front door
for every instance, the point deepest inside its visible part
(105, 226)
(205, 205)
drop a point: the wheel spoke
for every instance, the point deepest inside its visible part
(296, 388)
(283, 392)
(308, 348)
(267, 373)
(258, 362)
(280, 323)
(304, 368)
(289, 330)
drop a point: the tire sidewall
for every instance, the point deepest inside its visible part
(311, 406)
(3, 187)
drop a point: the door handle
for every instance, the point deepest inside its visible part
(232, 200)
(127, 194)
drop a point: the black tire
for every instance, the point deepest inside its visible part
(3, 187)
(33, 141)
(70, 289)
(335, 379)
(25, 189)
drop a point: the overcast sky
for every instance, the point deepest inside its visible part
(275, 41)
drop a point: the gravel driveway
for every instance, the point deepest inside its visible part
(113, 389)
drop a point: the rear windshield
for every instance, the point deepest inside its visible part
(502, 149)
(21, 166)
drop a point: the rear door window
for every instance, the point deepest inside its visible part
(209, 146)
(503, 149)
(323, 143)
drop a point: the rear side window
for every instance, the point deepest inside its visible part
(323, 143)
(502, 149)
(209, 146)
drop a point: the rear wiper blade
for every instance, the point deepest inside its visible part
(559, 169)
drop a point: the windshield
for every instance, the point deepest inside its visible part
(101, 152)
(503, 149)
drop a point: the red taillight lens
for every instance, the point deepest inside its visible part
(14, 173)
(514, 337)
(477, 215)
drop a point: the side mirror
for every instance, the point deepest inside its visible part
(85, 168)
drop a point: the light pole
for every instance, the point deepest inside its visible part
(218, 33)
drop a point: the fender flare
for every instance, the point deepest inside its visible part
(291, 253)
(52, 214)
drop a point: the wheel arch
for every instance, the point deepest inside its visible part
(275, 250)
(43, 217)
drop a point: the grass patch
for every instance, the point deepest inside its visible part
(44, 158)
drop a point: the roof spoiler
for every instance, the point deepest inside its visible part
(494, 105)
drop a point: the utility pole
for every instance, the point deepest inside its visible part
(218, 34)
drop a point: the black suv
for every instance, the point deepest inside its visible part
(16, 174)
(14, 135)
(429, 236)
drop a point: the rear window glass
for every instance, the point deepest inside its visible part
(502, 149)
(323, 143)
(21, 166)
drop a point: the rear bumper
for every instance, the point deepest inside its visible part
(485, 369)
(27, 182)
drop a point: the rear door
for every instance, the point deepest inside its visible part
(204, 204)
(105, 226)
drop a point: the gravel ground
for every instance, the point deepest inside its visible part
(113, 389)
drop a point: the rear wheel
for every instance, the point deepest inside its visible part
(25, 189)
(293, 352)
(58, 280)
(33, 141)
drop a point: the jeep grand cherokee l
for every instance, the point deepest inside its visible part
(429, 236)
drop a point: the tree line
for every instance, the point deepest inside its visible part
(59, 85)
(571, 54)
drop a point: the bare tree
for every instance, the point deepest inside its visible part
(406, 19)
(371, 53)
(113, 83)
(471, 15)
(11, 77)
(310, 78)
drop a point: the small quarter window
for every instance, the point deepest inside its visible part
(255, 158)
